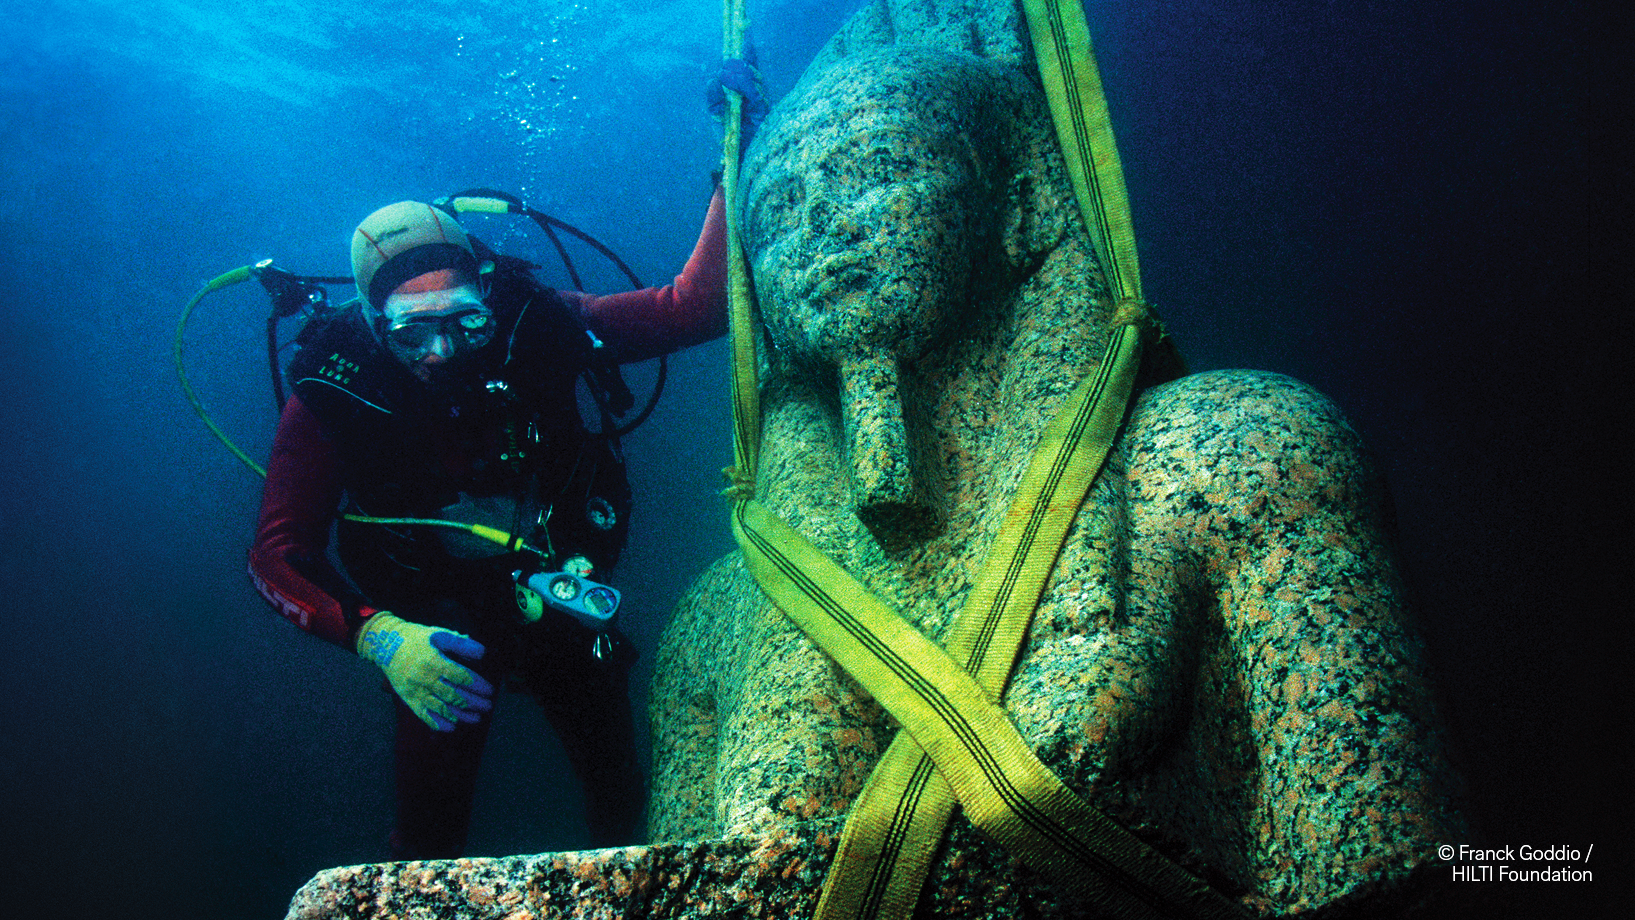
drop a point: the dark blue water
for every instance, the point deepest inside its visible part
(1389, 200)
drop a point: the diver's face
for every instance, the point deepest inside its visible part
(431, 332)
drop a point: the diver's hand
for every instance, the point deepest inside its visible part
(434, 686)
(740, 76)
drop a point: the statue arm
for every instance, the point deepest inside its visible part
(1290, 525)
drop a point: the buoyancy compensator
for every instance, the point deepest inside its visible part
(305, 299)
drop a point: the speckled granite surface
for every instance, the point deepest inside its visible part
(765, 878)
(1222, 659)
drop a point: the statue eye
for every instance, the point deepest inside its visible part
(890, 164)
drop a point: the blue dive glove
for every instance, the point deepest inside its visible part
(434, 686)
(741, 77)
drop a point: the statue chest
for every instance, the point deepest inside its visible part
(1095, 691)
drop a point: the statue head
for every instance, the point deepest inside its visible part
(890, 202)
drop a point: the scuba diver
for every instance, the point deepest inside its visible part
(447, 391)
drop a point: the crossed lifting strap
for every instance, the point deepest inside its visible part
(958, 744)
(945, 700)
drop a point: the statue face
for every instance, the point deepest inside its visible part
(860, 236)
(861, 233)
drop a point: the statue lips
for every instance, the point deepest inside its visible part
(834, 275)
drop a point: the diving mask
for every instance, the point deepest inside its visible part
(418, 335)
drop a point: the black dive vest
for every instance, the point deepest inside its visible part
(509, 429)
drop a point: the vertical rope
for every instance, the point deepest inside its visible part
(746, 398)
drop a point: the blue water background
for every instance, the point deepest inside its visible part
(1386, 199)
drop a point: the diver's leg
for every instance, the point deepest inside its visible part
(587, 702)
(436, 780)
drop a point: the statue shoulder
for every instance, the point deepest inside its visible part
(1223, 408)
(1232, 451)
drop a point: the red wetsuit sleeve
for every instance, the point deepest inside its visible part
(655, 321)
(288, 561)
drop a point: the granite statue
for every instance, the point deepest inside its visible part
(1223, 660)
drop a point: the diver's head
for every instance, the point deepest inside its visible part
(417, 272)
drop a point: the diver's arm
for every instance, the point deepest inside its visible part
(289, 567)
(288, 561)
(655, 321)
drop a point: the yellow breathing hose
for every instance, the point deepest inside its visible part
(225, 279)
(511, 542)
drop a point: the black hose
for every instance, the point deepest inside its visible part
(272, 362)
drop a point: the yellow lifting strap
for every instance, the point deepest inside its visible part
(903, 810)
(1067, 66)
(901, 814)
(948, 707)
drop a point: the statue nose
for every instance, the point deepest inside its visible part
(892, 500)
